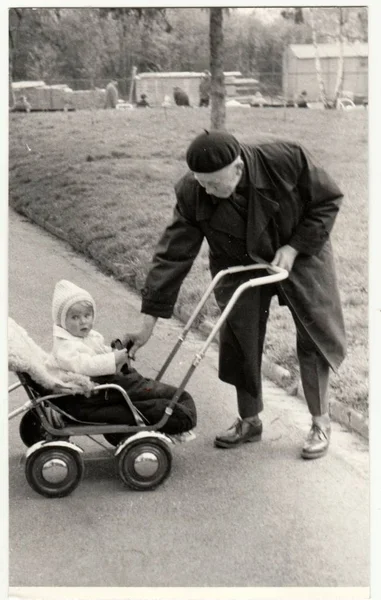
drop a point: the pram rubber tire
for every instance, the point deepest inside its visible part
(144, 464)
(31, 430)
(65, 463)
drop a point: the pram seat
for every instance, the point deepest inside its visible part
(50, 415)
(60, 403)
(56, 410)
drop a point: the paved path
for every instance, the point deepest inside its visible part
(255, 516)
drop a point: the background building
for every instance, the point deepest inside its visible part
(299, 72)
(158, 85)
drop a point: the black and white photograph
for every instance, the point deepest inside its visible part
(188, 303)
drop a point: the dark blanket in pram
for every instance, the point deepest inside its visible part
(150, 397)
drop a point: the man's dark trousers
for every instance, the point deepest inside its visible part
(241, 347)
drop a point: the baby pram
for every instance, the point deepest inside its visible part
(54, 464)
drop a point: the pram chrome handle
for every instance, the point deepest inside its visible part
(28, 404)
(278, 275)
(112, 386)
(14, 386)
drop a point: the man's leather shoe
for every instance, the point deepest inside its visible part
(242, 430)
(317, 442)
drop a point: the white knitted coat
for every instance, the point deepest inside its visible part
(88, 356)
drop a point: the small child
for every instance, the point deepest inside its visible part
(77, 347)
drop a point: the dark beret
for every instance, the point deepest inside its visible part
(212, 151)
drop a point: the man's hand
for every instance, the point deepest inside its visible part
(141, 337)
(285, 257)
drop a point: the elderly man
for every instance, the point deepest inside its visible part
(269, 200)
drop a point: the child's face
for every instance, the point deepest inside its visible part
(79, 319)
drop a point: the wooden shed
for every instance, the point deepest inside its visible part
(57, 97)
(158, 85)
(299, 72)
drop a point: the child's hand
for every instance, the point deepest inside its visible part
(117, 344)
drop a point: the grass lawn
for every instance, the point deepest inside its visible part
(106, 179)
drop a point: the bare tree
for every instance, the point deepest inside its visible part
(337, 25)
(15, 16)
(319, 75)
(340, 65)
(216, 41)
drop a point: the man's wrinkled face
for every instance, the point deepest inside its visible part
(221, 183)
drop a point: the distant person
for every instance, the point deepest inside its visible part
(181, 98)
(204, 89)
(265, 201)
(143, 101)
(21, 105)
(301, 101)
(167, 101)
(78, 348)
(112, 95)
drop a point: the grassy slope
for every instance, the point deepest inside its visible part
(106, 178)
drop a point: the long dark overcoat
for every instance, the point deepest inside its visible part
(291, 200)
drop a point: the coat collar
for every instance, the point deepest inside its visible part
(262, 206)
(257, 181)
(258, 176)
(262, 203)
(60, 332)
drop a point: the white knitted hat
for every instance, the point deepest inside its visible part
(65, 295)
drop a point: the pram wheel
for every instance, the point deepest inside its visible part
(31, 430)
(145, 464)
(115, 438)
(54, 471)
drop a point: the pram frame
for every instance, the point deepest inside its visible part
(140, 432)
(35, 401)
(278, 274)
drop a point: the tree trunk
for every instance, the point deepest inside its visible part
(340, 65)
(216, 40)
(11, 95)
(15, 16)
(131, 91)
(122, 75)
(319, 76)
